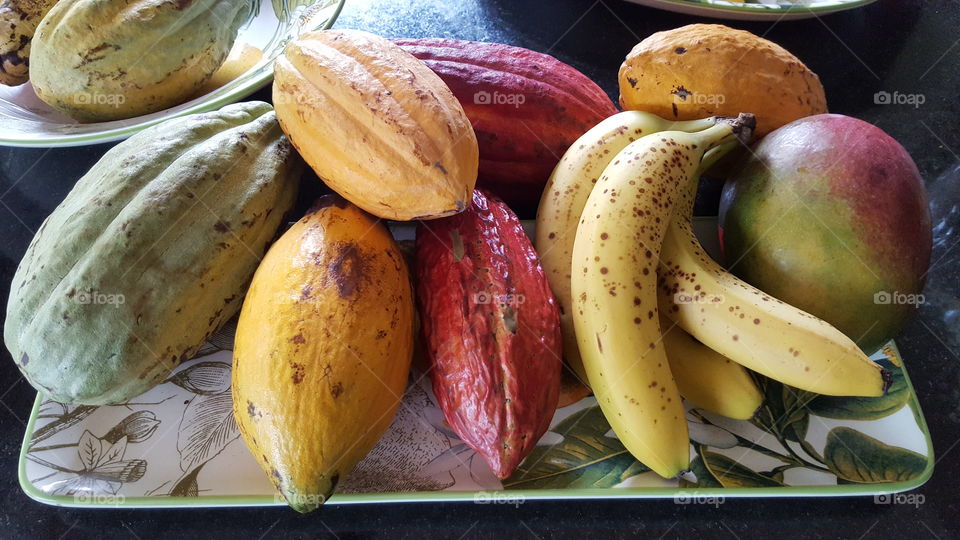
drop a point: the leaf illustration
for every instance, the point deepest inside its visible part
(704, 477)
(114, 452)
(136, 427)
(795, 410)
(64, 422)
(782, 407)
(585, 458)
(91, 450)
(206, 428)
(120, 471)
(710, 434)
(857, 457)
(204, 378)
(221, 340)
(732, 474)
(866, 408)
(187, 486)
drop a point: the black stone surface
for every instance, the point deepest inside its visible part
(909, 46)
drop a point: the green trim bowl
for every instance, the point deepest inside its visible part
(177, 445)
(27, 121)
(755, 10)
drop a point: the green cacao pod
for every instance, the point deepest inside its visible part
(99, 60)
(149, 254)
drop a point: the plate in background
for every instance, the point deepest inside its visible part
(27, 121)
(178, 446)
(755, 10)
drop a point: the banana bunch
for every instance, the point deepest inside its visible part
(646, 315)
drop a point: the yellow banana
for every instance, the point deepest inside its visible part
(566, 194)
(707, 378)
(614, 286)
(751, 327)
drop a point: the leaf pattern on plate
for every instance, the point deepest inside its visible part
(856, 457)
(730, 473)
(136, 427)
(866, 408)
(206, 428)
(205, 378)
(188, 486)
(796, 438)
(586, 457)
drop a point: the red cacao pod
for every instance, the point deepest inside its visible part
(492, 330)
(526, 108)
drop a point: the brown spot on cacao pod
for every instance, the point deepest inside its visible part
(348, 269)
(306, 293)
(297, 376)
(336, 389)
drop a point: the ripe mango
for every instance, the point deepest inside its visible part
(830, 215)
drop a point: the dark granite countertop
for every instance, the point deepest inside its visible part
(909, 46)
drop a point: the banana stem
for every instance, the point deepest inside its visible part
(691, 126)
(713, 155)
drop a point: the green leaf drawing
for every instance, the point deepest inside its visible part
(795, 403)
(865, 408)
(585, 458)
(798, 429)
(704, 478)
(856, 457)
(783, 407)
(732, 474)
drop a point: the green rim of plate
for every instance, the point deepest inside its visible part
(255, 81)
(788, 9)
(519, 495)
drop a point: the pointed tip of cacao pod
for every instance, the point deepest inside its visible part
(313, 497)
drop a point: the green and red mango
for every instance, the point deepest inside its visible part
(830, 215)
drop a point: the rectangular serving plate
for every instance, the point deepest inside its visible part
(82, 477)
